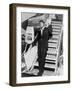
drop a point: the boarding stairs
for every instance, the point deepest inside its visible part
(53, 53)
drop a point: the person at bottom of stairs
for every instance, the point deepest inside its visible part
(43, 36)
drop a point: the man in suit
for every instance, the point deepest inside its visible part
(44, 33)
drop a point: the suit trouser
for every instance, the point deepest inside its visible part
(41, 58)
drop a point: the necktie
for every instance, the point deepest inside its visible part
(42, 31)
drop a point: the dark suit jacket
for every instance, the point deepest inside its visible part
(43, 39)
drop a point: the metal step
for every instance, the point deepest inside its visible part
(50, 57)
(55, 33)
(56, 24)
(56, 30)
(56, 27)
(46, 65)
(50, 61)
(51, 51)
(53, 41)
(49, 65)
(55, 36)
(52, 45)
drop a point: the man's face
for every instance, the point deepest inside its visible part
(41, 24)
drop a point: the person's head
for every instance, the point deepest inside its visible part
(48, 22)
(41, 23)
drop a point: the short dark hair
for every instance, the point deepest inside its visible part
(41, 21)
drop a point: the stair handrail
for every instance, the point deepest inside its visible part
(58, 47)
